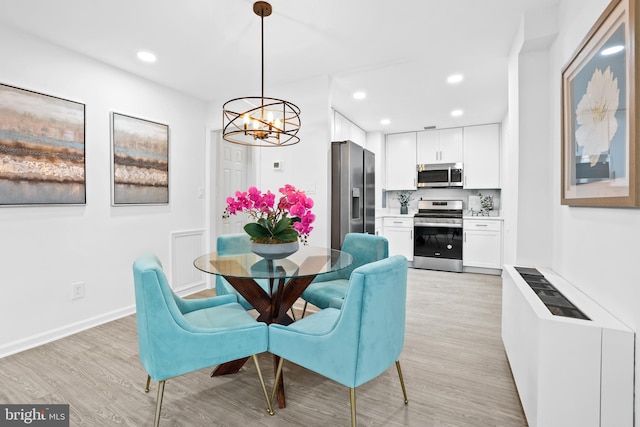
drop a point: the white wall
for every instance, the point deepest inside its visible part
(527, 144)
(306, 165)
(535, 201)
(596, 249)
(44, 249)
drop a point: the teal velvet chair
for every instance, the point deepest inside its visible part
(231, 244)
(329, 289)
(358, 342)
(177, 336)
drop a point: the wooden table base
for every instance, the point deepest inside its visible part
(273, 309)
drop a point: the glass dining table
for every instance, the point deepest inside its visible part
(286, 280)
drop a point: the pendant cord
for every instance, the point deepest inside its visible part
(262, 53)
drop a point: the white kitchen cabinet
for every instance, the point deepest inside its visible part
(482, 157)
(439, 146)
(401, 172)
(482, 243)
(357, 135)
(340, 127)
(345, 130)
(399, 233)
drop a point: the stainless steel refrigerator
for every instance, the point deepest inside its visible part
(352, 191)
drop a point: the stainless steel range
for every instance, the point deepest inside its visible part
(437, 243)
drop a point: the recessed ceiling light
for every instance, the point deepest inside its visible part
(455, 78)
(146, 56)
(359, 95)
(385, 121)
(613, 49)
(457, 113)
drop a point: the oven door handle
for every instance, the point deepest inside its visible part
(437, 224)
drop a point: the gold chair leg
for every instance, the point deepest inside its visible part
(146, 388)
(159, 403)
(264, 388)
(352, 395)
(304, 309)
(404, 390)
(275, 384)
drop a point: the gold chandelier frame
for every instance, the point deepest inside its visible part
(268, 122)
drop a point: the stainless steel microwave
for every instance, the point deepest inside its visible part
(440, 175)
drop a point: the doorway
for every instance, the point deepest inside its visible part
(231, 173)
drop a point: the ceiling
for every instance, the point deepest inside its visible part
(399, 52)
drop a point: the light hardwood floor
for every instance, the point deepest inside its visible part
(454, 366)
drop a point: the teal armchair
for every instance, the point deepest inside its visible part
(358, 342)
(177, 336)
(231, 244)
(329, 289)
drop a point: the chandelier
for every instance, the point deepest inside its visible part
(258, 120)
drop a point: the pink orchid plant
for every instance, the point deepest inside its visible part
(281, 221)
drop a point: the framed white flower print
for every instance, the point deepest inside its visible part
(599, 150)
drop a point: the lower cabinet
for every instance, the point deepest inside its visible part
(399, 232)
(482, 243)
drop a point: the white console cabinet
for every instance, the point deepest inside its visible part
(568, 371)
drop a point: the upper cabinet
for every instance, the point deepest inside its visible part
(482, 156)
(439, 146)
(345, 130)
(401, 161)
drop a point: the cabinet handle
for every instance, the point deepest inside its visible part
(465, 237)
(482, 225)
(411, 234)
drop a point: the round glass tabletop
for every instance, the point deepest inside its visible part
(307, 261)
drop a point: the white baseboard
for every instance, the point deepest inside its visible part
(192, 289)
(55, 334)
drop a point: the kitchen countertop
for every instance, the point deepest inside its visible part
(394, 213)
(397, 215)
(493, 215)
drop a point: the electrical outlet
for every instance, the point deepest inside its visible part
(77, 290)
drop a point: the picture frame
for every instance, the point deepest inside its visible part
(599, 113)
(139, 161)
(42, 149)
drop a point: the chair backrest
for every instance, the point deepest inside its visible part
(157, 312)
(375, 308)
(230, 244)
(364, 248)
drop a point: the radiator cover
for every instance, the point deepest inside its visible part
(568, 371)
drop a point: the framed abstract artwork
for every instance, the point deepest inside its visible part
(599, 146)
(140, 161)
(42, 149)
